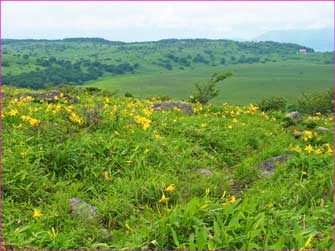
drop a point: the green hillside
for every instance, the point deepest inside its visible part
(167, 67)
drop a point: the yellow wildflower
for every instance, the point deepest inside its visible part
(107, 175)
(75, 118)
(318, 151)
(234, 120)
(163, 199)
(307, 242)
(37, 213)
(13, 112)
(158, 137)
(296, 149)
(309, 148)
(231, 200)
(34, 122)
(308, 135)
(203, 125)
(229, 126)
(25, 118)
(170, 188)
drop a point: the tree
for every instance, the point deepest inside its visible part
(203, 93)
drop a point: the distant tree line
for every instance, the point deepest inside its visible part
(63, 71)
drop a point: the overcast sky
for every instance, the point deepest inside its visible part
(144, 21)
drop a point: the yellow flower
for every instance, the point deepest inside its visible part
(75, 118)
(34, 122)
(203, 125)
(296, 149)
(170, 188)
(231, 200)
(308, 135)
(309, 148)
(143, 121)
(107, 175)
(13, 112)
(229, 126)
(307, 242)
(234, 120)
(318, 151)
(107, 100)
(163, 199)
(37, 213)
(158, 137)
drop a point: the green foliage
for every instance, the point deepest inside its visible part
(273, 104)
(313, 103)
(208, 91)
(128, 95)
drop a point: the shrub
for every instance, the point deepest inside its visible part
(273, 104)
(207, 91)
(312, 103)
(128, 95)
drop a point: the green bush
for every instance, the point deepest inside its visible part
(205, 92)
(273, 104)
(312, 103)
(128, 95)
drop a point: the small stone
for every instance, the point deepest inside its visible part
(82, 209)
(205, 171)
(293, 115)
(104, 234)
(323, 130)
(269, 165)
(186, 108)
(50, 97)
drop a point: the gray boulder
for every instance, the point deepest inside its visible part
(167, 105)
(268, 166)
(82, 209)
(293, 115)
(205, 171)
(323, 130)
(50, 97)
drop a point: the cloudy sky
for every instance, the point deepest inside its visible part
(144, 21)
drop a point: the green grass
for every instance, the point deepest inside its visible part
(251, 83)
(98, 150)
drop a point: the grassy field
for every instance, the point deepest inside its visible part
(141, 169)
(251, 82)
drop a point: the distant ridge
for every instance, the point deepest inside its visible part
(98, 40)
(319, 39)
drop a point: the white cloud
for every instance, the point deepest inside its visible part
(155, 20)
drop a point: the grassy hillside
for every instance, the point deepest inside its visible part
(162, 179)
(43, 63)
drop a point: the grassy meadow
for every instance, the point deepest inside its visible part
(139, 168)
(250, 83)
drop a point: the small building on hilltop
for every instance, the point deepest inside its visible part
(303, 50)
